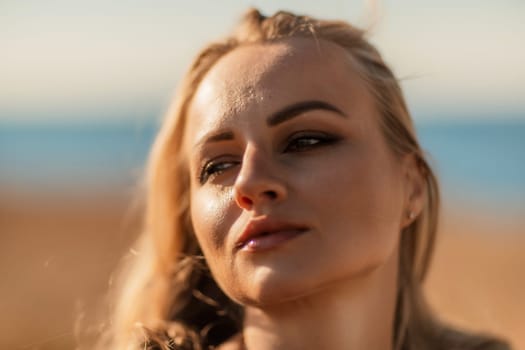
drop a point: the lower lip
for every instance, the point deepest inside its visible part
(270, 241)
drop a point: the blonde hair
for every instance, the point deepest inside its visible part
(167, 298)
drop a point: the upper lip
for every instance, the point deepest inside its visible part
(265, 225)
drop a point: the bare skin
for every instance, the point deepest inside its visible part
(296, 199)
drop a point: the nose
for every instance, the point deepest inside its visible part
(258, 182)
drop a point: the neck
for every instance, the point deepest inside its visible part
(357, 313)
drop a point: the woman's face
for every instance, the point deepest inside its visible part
(293, 187)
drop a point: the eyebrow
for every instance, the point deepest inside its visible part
(279, 117)
(227, 135)
(298, 108)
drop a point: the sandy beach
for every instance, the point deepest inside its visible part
(56, 256)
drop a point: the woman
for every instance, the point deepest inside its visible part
(289, 203)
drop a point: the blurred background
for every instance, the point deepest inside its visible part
(83, 87)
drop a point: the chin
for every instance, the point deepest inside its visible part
(271, 296)
(268, 288)
(271, 289)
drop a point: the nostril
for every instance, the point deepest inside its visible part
(246, 202)
(270, 194)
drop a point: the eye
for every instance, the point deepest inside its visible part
(215, 167)
(308, 140)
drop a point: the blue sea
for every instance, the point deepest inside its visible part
(483, 161)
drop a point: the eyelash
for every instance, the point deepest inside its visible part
(215, 166)
(320, 139)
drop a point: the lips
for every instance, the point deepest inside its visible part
(265, 233)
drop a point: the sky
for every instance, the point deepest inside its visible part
(102, 61)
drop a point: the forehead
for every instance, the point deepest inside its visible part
(259, 78)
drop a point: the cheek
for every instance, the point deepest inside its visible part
(361, 188)
(212, 216)
(209, 220)
(361, 211)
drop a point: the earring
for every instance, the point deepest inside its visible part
(411, 215)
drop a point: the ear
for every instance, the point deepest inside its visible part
(415, 189)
